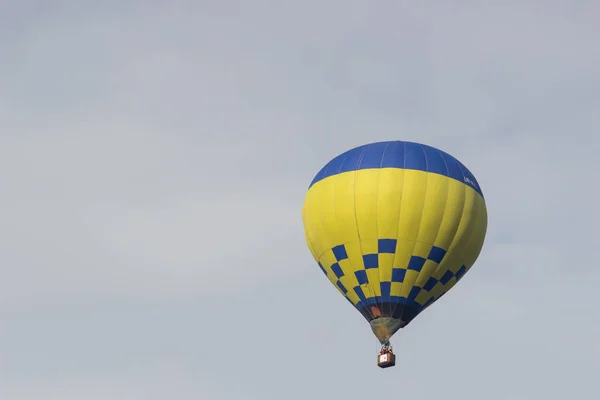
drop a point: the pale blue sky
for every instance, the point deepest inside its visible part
(154, 157)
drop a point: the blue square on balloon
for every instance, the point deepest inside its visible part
(436, 254)
(447, 276)
(387, 246)
(385, 288)
(416, 263)
(361, 276)
(398, 274)
(342, 287)
(359, 292)
(340, 252)
(337, 270)
(431, 282)
(461, 271)
(414, 292)
(371, 261)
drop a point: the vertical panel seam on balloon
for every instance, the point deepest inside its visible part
(323, 229)
(460, 221)
(377, 225)
(376, 219)
(398, 224)
(443, 213)
(336, 216)
(414, 244)
(369, 288)
(398, 233)
(337, 229)
(470, 236)
(422, 210)
(476, 205)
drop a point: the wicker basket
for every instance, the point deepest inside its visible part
(386, 360)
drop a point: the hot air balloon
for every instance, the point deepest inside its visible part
(394, 226)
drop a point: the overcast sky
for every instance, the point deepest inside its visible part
(154, 157)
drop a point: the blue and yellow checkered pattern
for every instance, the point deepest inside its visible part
(397, 306)
(394, 225)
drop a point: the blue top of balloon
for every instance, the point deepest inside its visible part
(399, 154)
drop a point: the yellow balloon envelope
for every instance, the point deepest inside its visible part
(394, 226)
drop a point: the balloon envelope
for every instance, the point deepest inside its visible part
(394, 226)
